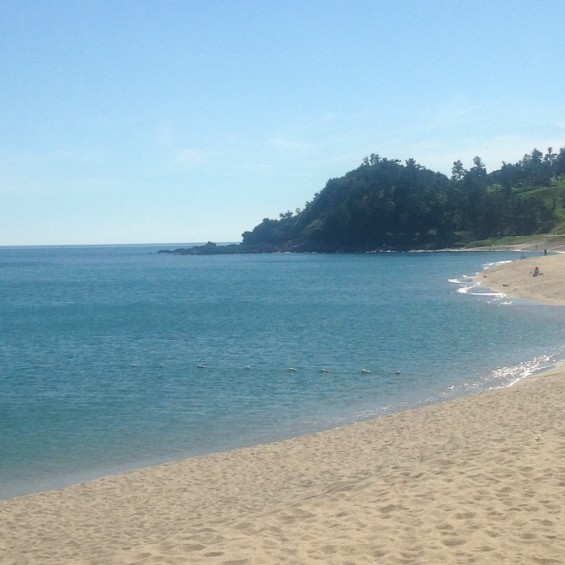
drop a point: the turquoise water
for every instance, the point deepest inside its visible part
(118, 357)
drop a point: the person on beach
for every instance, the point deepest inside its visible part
(536, 272)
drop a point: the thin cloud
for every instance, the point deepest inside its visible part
(190, 156)
(165, 136)
(56, 156)
(20, 186)
(329, 117)
(293, 145)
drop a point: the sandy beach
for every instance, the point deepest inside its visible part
(479, 479)
(517, 280)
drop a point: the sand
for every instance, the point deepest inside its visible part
(516, 279)
(479, 479)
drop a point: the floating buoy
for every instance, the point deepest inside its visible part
(397, 372)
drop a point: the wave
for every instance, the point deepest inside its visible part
(503, 377)
(464, 280)
(496, 263)
(469, 287)
(468, 290)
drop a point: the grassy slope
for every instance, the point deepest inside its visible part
(553, 195)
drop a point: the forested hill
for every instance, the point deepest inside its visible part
(387, 204)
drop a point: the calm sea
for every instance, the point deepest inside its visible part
(117, 357)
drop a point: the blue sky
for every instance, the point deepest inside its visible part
(135, 121)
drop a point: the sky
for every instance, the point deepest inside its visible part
(168, 121)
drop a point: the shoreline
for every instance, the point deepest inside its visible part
(474, 479)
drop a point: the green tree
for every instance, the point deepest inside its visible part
(458, 172)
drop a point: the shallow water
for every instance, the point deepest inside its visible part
(117, 357)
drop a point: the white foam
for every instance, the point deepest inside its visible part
(499, 295)
(469, 290)
(523, 370)
(495, 263)
(472, 289)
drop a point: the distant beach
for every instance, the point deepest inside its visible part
(478, 479)
(521, 280)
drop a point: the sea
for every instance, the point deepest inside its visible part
(119, 357)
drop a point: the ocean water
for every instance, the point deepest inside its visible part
(117, 357)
